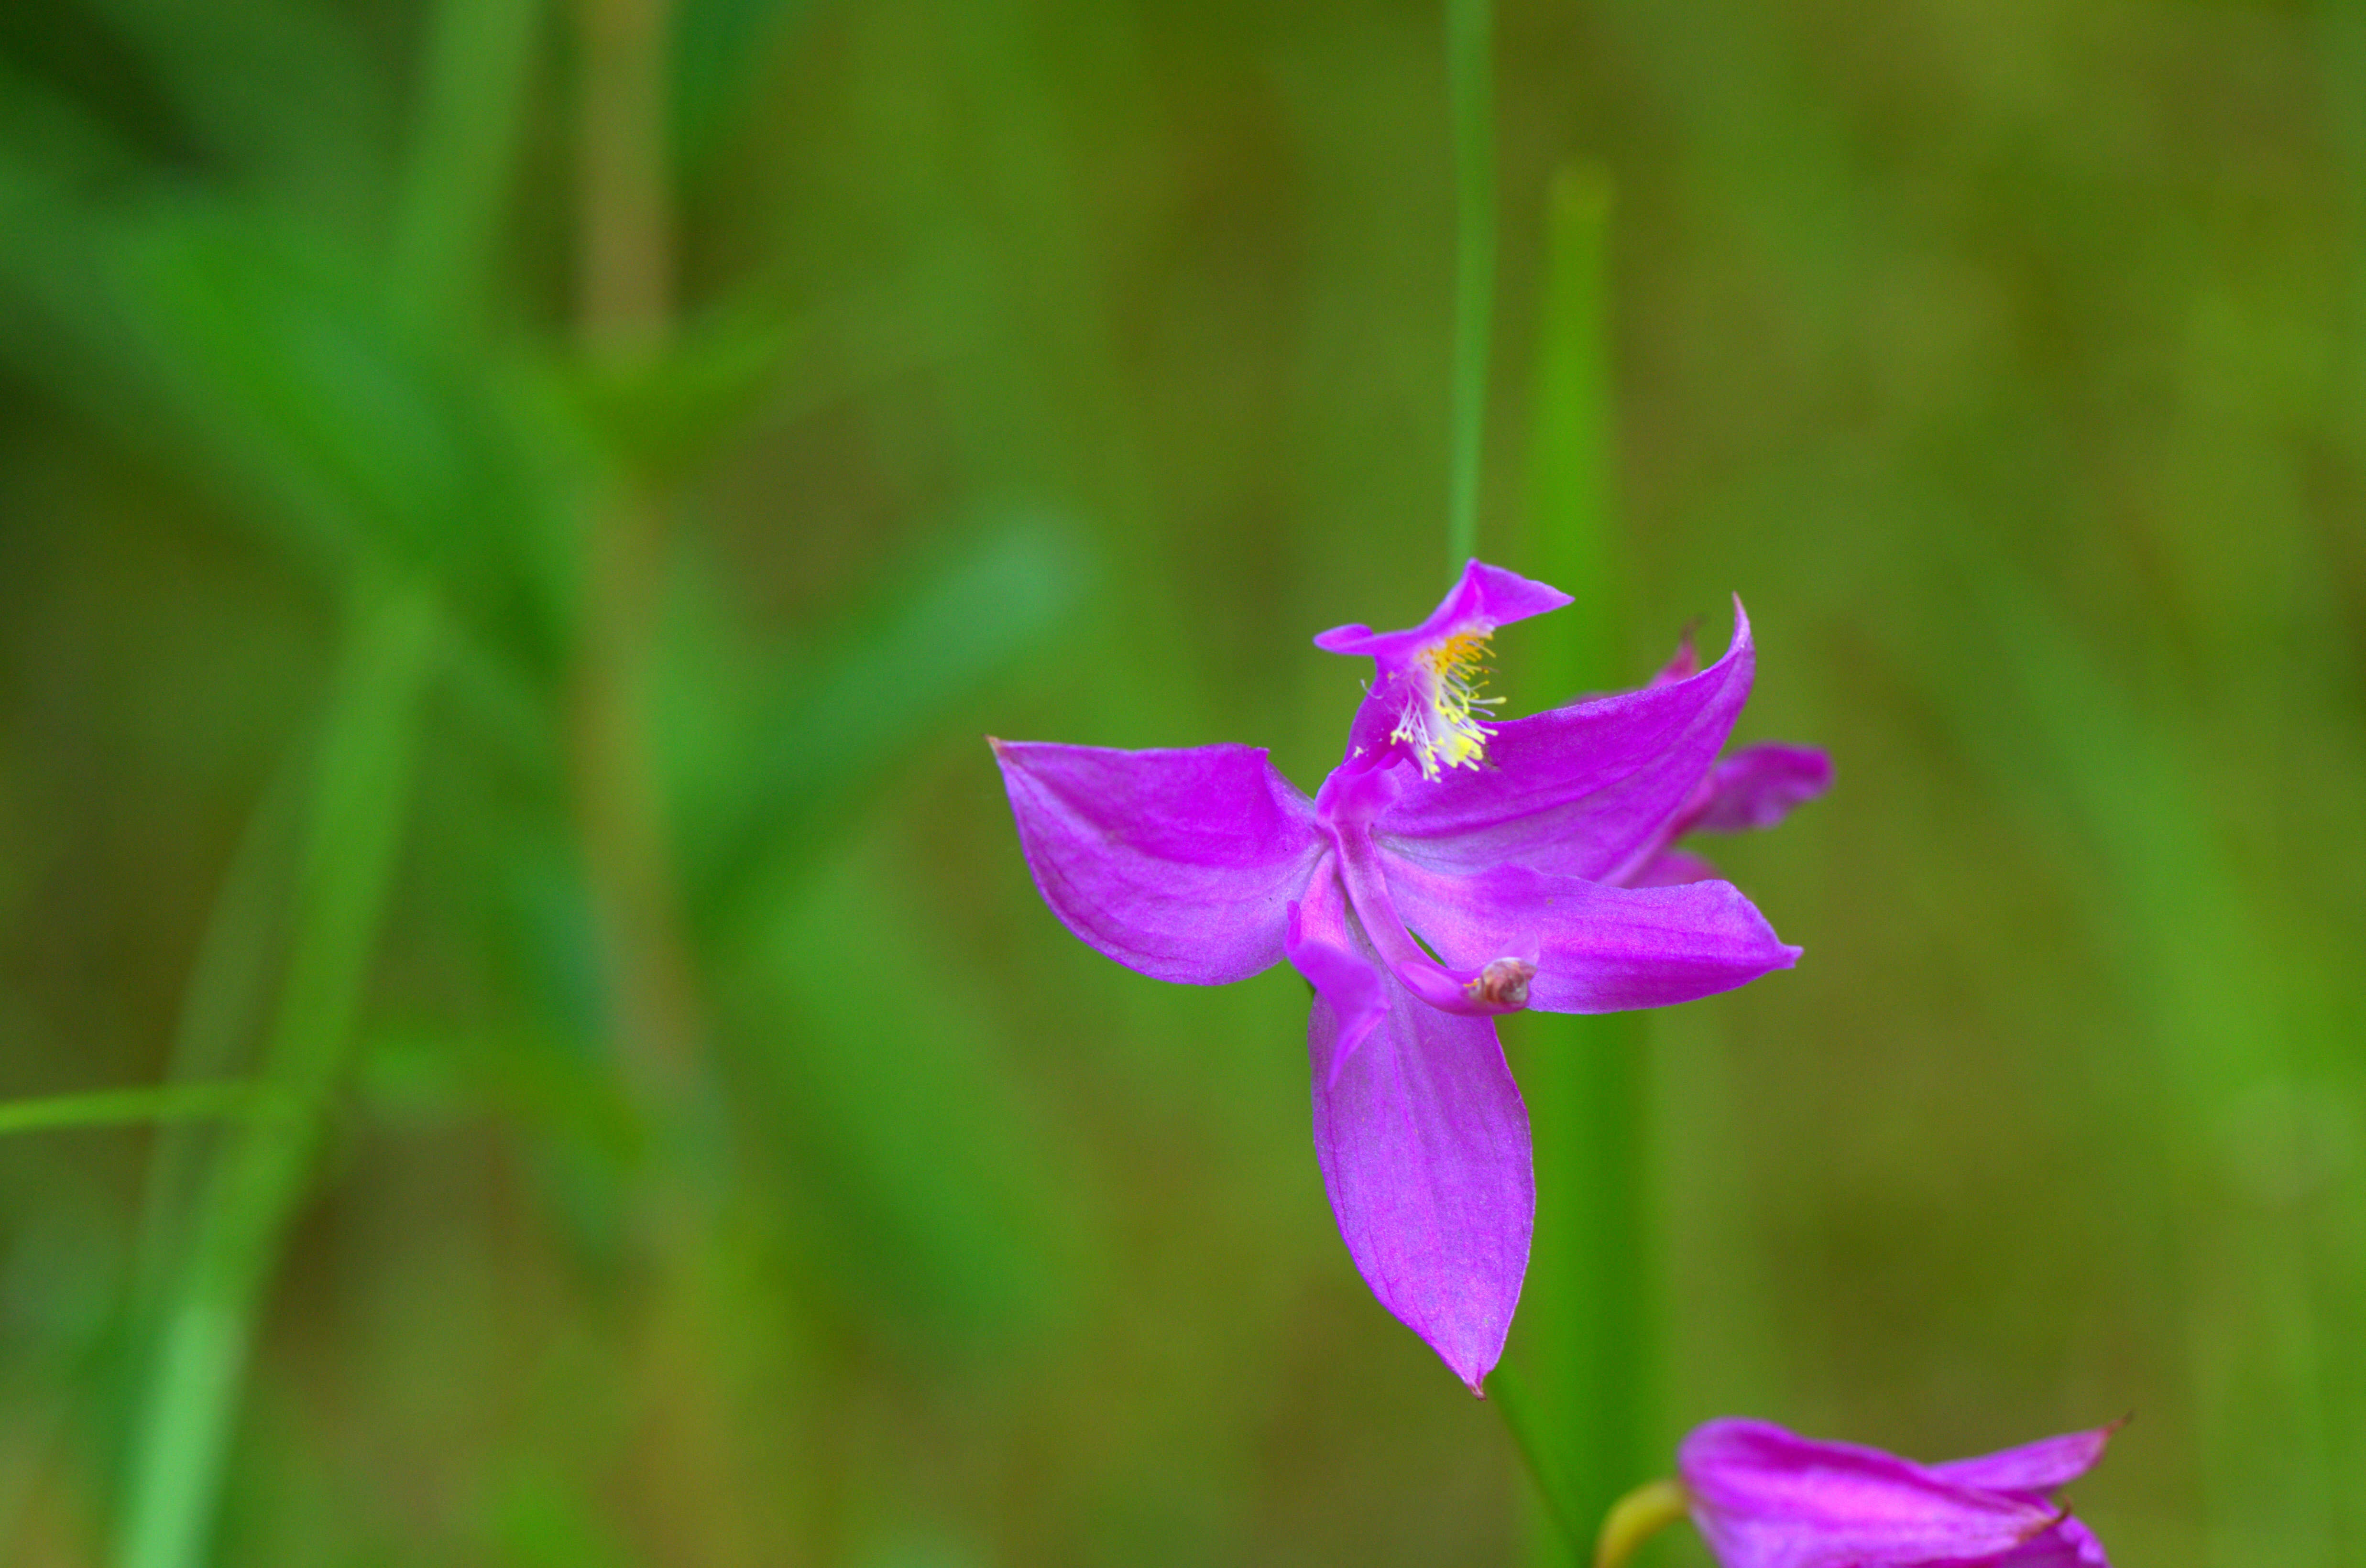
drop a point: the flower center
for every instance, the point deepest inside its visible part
(1442, 713)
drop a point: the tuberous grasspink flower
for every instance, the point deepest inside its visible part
(1451, 869)
(1763, 1498)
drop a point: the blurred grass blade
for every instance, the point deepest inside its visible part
(278, 349)
(1583, 1337)
(720, 49)
(49, 131)
(464, 140)
(1470, 85)
(222, 1006)
(666, 415)
(2177, 922)
(943, 1212)
(2180, 922)
(276, 365)
(359, 791)
(1570, 474)
(61, 174)
(1548, 1465)
(896, 670)
(285, 93)
(113, 1107)
(263, 335)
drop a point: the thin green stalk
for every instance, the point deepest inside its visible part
(626, 319)
(465, 142)
(1471, 82)
(1570, 445)
(1585, 1336)
(1542, 1456)
(1586, 1340)
(216, 1268)
(359, 792)
(224, 1005)
(113, 1107)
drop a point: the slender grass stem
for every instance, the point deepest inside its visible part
(113, 1107)
(626, 305)
(462, 152)
(359, 793)
(1470, 81)
(224, 1005)
(657, 1018)
(465, 142)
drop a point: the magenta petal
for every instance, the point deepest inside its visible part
(1683, 666)
(1179, 864)
(1336, 964)
(1586, 790)
(2040, 1466)
(1767, 1498)
(1597, 950)
(1484, 597)
(1424, 1145)
(1672, 868)
(2069, 1544)
(1757, 786)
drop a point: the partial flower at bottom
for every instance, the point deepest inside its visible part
(1764, 1498)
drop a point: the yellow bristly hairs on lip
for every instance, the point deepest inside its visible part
(1442, 713)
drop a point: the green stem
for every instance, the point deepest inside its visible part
(224, 1005)
(113, 1107)
(1585, 1334)
(1509, 1391)
(465, 142)
(1470, 81)
(359, 795)
(625, 312)
(1570, 445)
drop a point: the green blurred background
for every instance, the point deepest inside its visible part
(515, 518)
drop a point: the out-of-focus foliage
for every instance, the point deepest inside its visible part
(1055, 368)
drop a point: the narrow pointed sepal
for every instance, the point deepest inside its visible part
(1424, 1146)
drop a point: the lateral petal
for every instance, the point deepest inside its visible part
(1758, 785)
(1672, 867)
(1179, 864)
(2034, 1467)
(1767, 1499)
(1585, 791)
(1596, 949)
(2069, 1544)
(1424, 1146)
